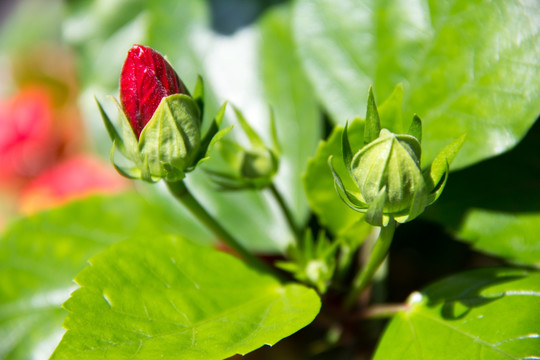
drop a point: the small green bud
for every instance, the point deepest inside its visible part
(259, 163)
(388, 174)
(312, 261)
(245, 168)
(390, 162)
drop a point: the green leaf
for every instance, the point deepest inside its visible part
(325, 202)
(495, 205)
(466, 66)
(481, 314)
(287, 90)
(169, 298)
(40, 255)
(513, 236)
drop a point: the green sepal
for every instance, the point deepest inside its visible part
(129, 139)
(172, 136)
(390, 111)
(372, 126)
(198, 95)
(146, 174)
(415, 129)
(440, 164)
(221, 133)
(437, 191)
(172, 174)
(375, 213)
(225, 181)
(131, 173)
(212, 135)
(346, 148)
(343, 193)
(251, 134)
(418, 204)
(111, 130)
(312, 261)
(273, 132)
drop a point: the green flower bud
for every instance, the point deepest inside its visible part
(246, 168)
(390, 163)
(312, 261)
(259, 163)
(388, 174)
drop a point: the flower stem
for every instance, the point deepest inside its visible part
(286, 211)
(377, 256)
(182, 194)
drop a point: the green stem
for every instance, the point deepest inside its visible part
(286, 211)
(382, 311)
(377, 256)
(182, 194)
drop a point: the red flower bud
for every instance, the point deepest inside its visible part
(146, 78)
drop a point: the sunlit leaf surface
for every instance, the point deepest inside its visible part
(485, 314)
(466, 66)
(167, 298)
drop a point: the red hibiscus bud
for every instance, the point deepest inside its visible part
(146, 78)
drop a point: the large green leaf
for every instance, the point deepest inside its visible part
(495, 205)
(466, 66)
(40, 255)
(482, 314)
(167, 298)
(297, 115)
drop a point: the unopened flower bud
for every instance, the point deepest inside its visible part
(145, 80)
(390, 162)
(247, 168)
(259, 163)
(391, 184)
(160, 121)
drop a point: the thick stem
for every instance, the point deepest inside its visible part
(286, 211)
(182, 194)
(377, 256)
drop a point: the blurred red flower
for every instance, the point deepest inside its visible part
(74, 178)
(27, 142)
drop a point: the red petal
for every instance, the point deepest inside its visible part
(146, 78)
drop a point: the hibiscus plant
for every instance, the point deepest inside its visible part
(375, 194)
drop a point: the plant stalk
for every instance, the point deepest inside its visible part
(286, 211)
(382, 311)
(377, 256)
(182, 194)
